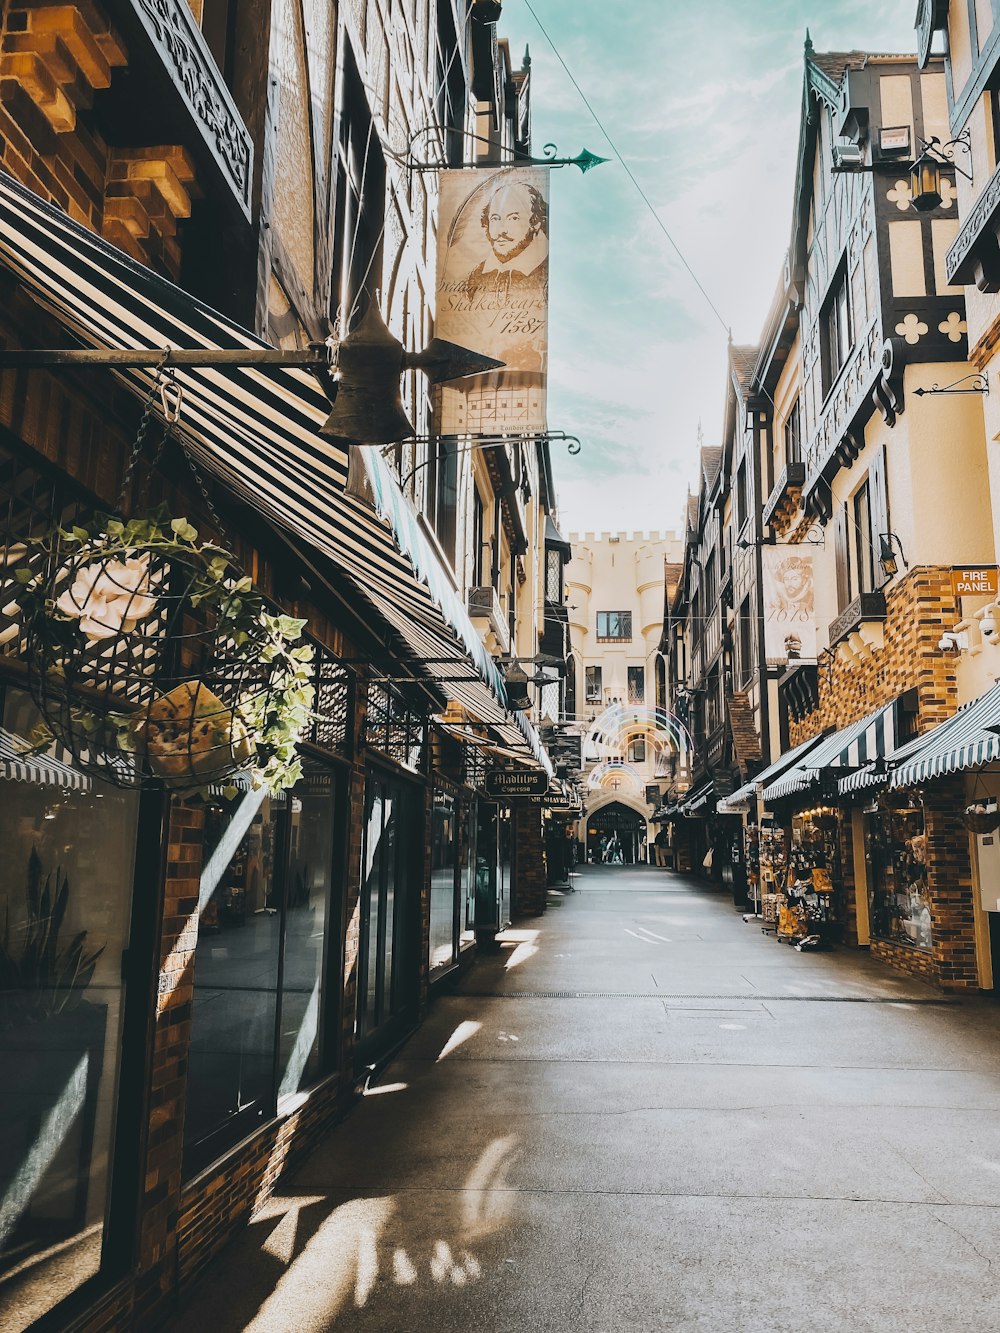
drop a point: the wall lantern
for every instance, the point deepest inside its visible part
(515, 680)
(925, 174)
(888, 545)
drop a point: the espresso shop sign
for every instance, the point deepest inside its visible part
(515, 782)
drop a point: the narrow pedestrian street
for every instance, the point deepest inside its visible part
(643, 1114)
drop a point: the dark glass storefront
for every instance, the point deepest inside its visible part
(65, 907)
(269, 936)
(391, 869)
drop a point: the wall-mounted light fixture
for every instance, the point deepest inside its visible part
(888, 547)
(925, 173)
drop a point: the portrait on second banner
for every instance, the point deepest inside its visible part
(789, 604)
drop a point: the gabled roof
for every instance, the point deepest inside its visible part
(743, 360)
(711, 462)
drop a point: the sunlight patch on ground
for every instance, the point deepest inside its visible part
(526, 946)
(462, 1033)
(385, 1087)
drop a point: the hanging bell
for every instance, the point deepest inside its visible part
(368, 408)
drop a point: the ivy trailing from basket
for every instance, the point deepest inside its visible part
(88, 591)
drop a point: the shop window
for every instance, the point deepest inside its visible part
(360, 208)
(69, 849)
(263, 914)
(388, 977)
(570, 705)
(793, 434)
(553, 576)
(866, 563)
(896, 861)
(442, 492)
(636, 685)
(614, 626)
(593, 689)
(835, 330)
(444, 865)
(467, 865)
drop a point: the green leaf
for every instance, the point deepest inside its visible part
(115, 528)
(24, 575)
(81, 534)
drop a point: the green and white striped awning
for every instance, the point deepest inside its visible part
(864, 740)
(962, 742)
(743, 798)
(18, 766)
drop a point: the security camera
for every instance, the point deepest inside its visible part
(988, 626)
(948, 643)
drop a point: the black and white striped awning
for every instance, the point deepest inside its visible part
(257, 430)
(872, 736)
(744, 799)
(16, 765)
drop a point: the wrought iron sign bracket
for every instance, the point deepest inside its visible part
(584, 159)
(980, 384)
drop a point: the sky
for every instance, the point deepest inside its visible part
(703, 103)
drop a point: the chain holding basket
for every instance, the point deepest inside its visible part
(152, 658)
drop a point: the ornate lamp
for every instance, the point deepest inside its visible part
(925, 183)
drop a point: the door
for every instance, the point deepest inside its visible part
(388, 980)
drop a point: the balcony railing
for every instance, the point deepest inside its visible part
(974, 256)
(868, 606)
(178, 41)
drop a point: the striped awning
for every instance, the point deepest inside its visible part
(698, 799)
(743, 798)
(18, 766)
(257, 430)
(962, 742)
(856, 744)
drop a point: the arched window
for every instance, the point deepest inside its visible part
(571, 689)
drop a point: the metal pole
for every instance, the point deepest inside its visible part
(313, 357)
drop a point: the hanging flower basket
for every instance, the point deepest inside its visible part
(982, 816)
(151, 659)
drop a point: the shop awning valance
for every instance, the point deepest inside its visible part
(17, 766)
(743, 798)
(864, 740)
(257, 430)
(698, 799)
(962, 742)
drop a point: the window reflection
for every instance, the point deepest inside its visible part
(68, 864)
(265, 908)
(443, 862)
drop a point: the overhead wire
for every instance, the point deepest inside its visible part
(652, 210)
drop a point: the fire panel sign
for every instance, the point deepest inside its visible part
(515, 782)
(981, 582)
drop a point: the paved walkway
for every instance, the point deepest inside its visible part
(645, 1116)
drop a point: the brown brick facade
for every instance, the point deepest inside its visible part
(918, 607)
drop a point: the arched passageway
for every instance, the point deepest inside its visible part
(618, 820)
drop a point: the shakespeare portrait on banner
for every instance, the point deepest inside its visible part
(492, 294)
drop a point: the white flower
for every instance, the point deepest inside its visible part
(110, 597)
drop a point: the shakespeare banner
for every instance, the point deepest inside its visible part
(493, 295)
(789, 604)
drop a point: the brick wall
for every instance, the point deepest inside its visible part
(530, 875)
(54, 60)
(918, 607)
